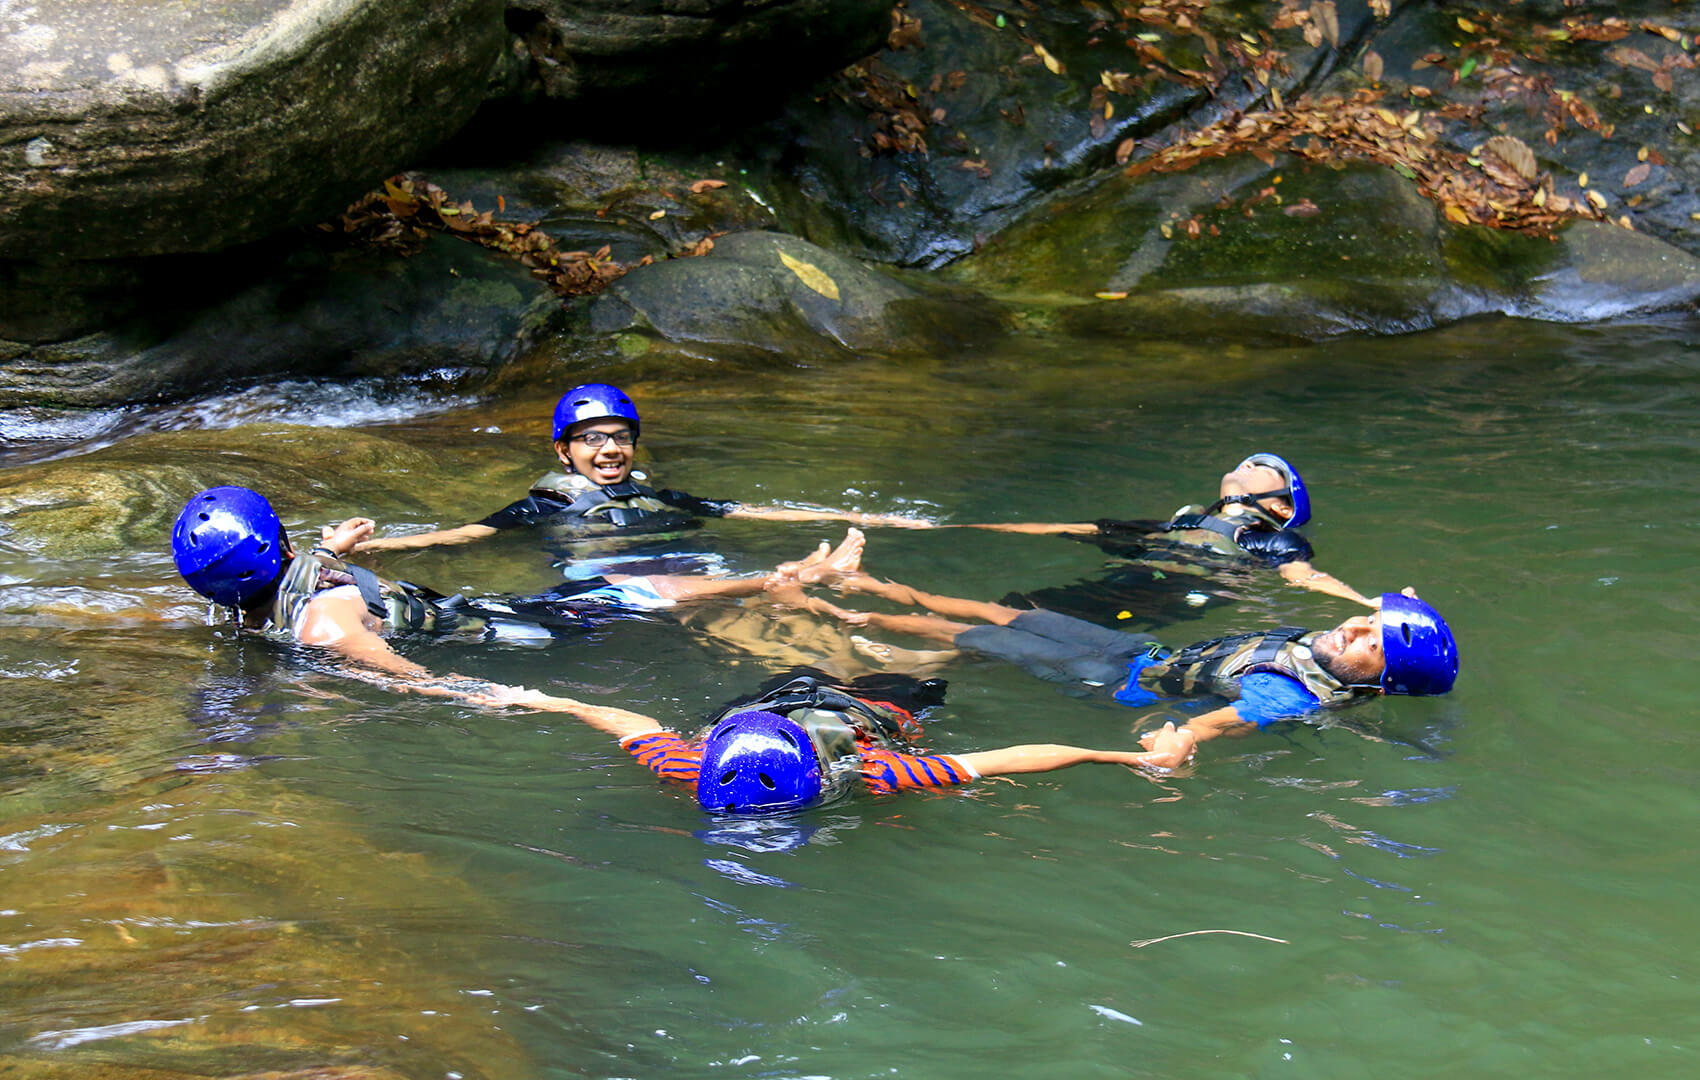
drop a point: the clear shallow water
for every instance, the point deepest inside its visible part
(221, 857)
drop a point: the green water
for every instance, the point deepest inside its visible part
(217, 857)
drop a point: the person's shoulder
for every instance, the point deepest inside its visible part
(1276, 546)
(1268, 696)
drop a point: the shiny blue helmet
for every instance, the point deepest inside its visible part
(1295, 493)
(593, 401)
(755, 761)
(1421, 653)
(228, 544)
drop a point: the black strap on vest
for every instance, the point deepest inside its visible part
(806, 692)
(372, 591)
(1205, 521)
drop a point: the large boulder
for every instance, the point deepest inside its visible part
(973, 114)
(762, 295)
(1239, 249)
(146, 127)
(454, 311)
(688, 57)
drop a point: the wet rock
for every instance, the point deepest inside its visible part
(453, 309)
(1602, 95)
(928, 149)
(762, 295)
(631, 57)
(1295, 251)
(143, 127)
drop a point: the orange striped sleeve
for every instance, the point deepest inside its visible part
(666, 754)
(887, 770)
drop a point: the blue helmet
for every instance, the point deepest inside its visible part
(593, 401)
(1296, 493)
(1421, 653)
(228, 544)
(757, 760)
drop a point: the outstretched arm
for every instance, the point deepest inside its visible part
(1169, 748)
(1217, 722)
(1036, 528)
(1306, 576)
(781, 513)
(463, 534)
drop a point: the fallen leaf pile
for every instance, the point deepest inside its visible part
(1502, 187)
(406, 210)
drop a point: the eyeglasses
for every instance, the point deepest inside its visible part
(595, 439)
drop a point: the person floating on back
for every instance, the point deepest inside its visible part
(808, 743)
(596, 492)
(1404, 647)
(1260, 505)
(231, 547)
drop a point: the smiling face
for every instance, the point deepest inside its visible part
(610, 463)
(1249, 479)
(1352, 651)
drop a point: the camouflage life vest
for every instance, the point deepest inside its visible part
(1215, 666)
(838, 723)
(1221, 524)
(606, 508)
(400, 605)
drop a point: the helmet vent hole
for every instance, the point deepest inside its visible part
(728, 776)
(790, 738)
(767, 782)
(205, 516)
(1405, 632)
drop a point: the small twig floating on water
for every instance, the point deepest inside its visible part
(1190, 933)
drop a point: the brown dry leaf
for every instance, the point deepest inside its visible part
(1372, 66)
(1627, 56)
(706, 185)
(1662, 80)
(1124, 150)
(1637, 175)
(1323, 11)
(1515, 153)
(812, 276)
(1302, 208)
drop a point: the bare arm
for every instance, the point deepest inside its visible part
(1217, 722)
(780, 513)
(1306, 576)
(463, 534)
(1170, 747)
(1035, 528)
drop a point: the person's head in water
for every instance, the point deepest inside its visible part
(757, 762)
(1273, 484)
(229, 545)
(596, 430)
(1405, 648)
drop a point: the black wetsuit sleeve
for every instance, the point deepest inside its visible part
(527, 511)
(694, 506)
(1275, 547)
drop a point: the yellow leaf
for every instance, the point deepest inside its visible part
(1456, 213)
(1597, 199)
(1466, 25)
(1111, 295)
(1389, 116)
(1582, 181)
(1052, 63)
(658, 215)
(812, 276)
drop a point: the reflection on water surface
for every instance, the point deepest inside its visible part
(217, 857)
